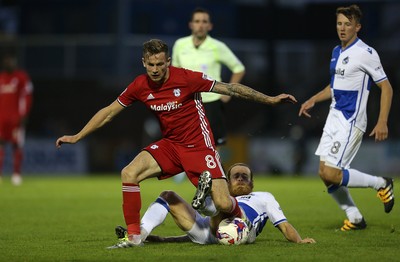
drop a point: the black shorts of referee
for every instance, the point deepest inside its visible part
(215, 113)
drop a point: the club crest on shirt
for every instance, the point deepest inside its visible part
(345, 60)
(177, 92)
(154, 146)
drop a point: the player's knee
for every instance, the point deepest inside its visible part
(331, 176)
(223, 204)
(169, 196)
(128, 176)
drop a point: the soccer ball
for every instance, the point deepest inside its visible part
(232, 231)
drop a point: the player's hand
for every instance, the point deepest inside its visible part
(284, 98)
(380, 131)
(307, 240)
(305, 107)
(66, 140)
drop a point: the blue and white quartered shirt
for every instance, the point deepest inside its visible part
(352, 70)
(259, 207)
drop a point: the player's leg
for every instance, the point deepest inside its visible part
(331, 149)
(181, 211)
(168, 201)
(17, 141)
(16, 177)
(383, 185)
(337, 149)
(211, 204)
(197, 228)
(337, 169)
(143, 166)
(222, 199)
(154, 216)
(5, 135)
(158, 156)
(332, 178)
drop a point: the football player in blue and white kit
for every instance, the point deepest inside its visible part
(258, 208)
(354, 65)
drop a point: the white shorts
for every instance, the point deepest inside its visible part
(201, 232)
(340, 141)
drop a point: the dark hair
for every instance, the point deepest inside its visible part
(228, 174)
(200, 10)
(155, 46)
(351, 12)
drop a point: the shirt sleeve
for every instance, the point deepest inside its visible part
(274, 211)
(128, 96)
(371, 64)
(199, 82)
(229, 59)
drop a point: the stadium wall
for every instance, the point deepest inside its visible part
(275, 156)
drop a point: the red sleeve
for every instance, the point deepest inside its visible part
(199, 82)
(130, 94)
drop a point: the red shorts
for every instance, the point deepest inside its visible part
(174, 159)
(11, 131)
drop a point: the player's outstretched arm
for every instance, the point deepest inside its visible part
(292, 235)
(235, 78)
(245, 92)
(323, 95)
(102, 117)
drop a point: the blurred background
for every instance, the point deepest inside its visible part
(81, 54)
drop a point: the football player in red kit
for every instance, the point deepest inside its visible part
(15, 104)
(173, 95)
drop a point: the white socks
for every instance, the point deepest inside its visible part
(209, 208)
(346, 203)
(154, 216)
(356, 178)
(353, 178)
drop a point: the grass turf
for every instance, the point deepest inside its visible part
(73, 219)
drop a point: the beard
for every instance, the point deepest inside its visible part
(240, 190)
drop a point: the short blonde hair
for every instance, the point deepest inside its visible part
(155, 46)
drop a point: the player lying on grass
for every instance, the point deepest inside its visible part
(257, 208)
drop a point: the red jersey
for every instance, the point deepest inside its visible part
(15, 94)
(176, 103)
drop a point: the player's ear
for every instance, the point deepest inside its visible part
(169, 61)
(358, 27)
(143, 62)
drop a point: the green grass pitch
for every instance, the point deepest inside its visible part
(73, 219)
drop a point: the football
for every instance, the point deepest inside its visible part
(232, 231)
